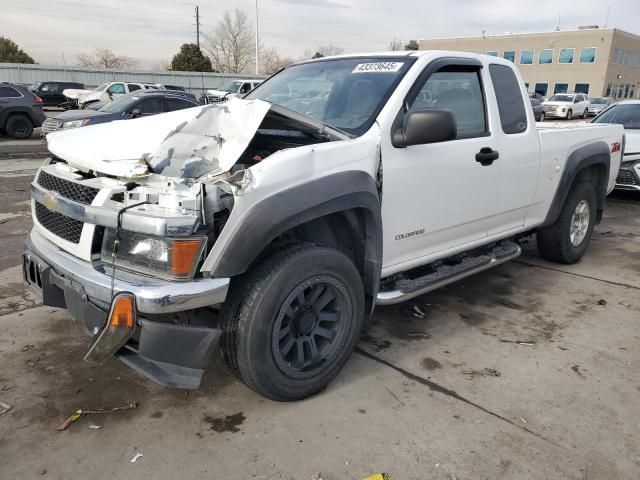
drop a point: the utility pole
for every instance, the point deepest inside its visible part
(198, 26)
(257, 41)
(606, 20)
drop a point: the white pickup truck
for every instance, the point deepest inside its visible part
(269, 227)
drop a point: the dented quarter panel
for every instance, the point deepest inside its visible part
(297, 166)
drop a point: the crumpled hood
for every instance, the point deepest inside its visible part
(74, 93)
(185, 143)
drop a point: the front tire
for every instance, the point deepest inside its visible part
(291, 323)
(570, 115)
(568, 238)
(542, 117)
(19, 126)
(585, 113)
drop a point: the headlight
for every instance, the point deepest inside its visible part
(75, 123)
(164, 257)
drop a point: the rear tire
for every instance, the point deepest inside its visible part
(19, 126)
(568, 238)
(291, 323)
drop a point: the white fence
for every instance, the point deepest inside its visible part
(196, 82)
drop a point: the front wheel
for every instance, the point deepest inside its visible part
(542, 117)
(585, 113)
(568, 238)
(569, 115)
(292, 322)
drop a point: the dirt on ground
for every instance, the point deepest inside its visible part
(526, 371)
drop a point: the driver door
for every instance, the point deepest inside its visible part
(438, 197)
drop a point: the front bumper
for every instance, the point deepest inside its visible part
(555, 114)
(170, 354)
(629, 176)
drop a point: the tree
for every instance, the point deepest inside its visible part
(231, 46)
(190, 59)
(10, 52)
(395, 45)
(412, 45)
(323, 51)
(105, 58)
(272, 62)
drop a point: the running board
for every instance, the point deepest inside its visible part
(405, 289)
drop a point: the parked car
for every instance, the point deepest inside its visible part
(566, 105)
(133, 105)
(78, 98)
(229, 89)
(175, 87)
(627, 114)
(51, 92)
(537, 96)
(538, 109)
(597, 105)
(259, 229)
(20, 111)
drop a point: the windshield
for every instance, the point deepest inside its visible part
(599, 101)
(120, 105)
(232, 87)
(561, 98)
(346, 94)
(626, 115)
(100, 87)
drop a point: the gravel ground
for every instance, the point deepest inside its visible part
(526, 371)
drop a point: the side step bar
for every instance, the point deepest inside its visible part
(405, 289)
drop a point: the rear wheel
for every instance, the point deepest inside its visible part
(568, 238)
(19, 126)
(292, 322)
(570, 115)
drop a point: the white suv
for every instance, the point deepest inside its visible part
(566, 105)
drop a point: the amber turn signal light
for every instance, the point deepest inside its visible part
(118, 330)
(123, 311)
(185, 254)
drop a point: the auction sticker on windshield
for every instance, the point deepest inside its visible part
(381, 67)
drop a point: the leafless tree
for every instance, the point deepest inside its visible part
(323, 51)
(395, 45)
(231, 45)
(105, 58)
(162, 65)
(272, 62)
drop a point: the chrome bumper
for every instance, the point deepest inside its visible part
(153, 296)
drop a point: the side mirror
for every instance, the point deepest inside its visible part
(136, 113)
(431, 125)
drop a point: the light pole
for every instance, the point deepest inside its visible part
(257, 41)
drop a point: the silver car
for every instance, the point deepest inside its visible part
(597, 105)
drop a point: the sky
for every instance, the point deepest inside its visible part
(151, 31)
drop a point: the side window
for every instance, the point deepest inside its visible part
(150, 106)
(47, 88)
(117, 88)
(9, 92)
(246, 87)
(133, 87)
(458, 89)
(177, 104)
(513, 115)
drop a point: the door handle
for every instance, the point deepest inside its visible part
(486, 156)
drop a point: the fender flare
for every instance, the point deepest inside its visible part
(596, 153)
(303, 203)
(13, 110)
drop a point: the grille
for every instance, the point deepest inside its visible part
(61, 226)
(71, 190)
(50, 125)
(626, 177)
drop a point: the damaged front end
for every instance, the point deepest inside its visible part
(131, 210)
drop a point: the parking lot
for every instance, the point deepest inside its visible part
(529, 370)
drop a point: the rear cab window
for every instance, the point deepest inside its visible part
(513, 115)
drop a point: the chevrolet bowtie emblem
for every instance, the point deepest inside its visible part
(50, 200)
